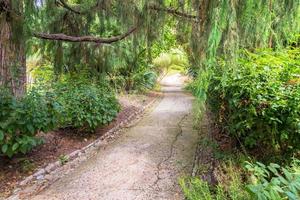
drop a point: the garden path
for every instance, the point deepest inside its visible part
(145, 162)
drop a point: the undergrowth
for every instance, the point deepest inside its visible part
(256, 105)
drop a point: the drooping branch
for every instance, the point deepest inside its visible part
(76, 10)
(66, 6)
(173, 11)
(92, 39)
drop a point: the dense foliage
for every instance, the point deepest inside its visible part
(258, 103)
(274, 181)
(86, 106)
(73, 104)
(271, 182)
(21, 119)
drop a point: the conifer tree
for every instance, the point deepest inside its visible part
(87, 34)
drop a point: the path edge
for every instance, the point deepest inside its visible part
(40, 179)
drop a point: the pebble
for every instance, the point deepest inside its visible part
(74, 154)
(26, 180)
(40, 177)
(39, 173)
(50, 168)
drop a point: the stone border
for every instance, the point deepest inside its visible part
(43, 177)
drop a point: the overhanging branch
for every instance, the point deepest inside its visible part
(66, 6)
(173, 12)
(76, 10)
(92, 39)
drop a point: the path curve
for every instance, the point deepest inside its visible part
(145, 162)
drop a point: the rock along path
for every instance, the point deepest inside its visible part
(145, 162)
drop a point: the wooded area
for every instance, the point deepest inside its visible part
(62, 62)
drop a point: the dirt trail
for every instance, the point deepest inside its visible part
(145, 162)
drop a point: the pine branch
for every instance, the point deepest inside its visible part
(66, 6)
(76, 10)
(173, 11)
(92, 39)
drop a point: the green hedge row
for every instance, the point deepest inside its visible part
(258, 101)
(68, 104)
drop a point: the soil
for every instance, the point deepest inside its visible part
(62, 142)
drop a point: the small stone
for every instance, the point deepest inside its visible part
(83, 158)
(49, 177)
(50, 168)
(26, 181)
(40, 177)
(39, 173)
(16, 190)
(14, 197)
(57, 164)
(98, 144)
(74, 154)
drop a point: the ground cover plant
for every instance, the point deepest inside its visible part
(262, 183)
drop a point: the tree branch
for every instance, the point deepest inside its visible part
(76, 10)
(173, 12)
(66, 6)
(68, 38)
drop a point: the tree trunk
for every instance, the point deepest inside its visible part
(12, 49)
(203, 27)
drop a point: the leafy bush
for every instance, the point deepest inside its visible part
(274, 182)
(175, 59)
(86, 105)
(271, 182)
(138, 80)
(258, 101)
(144, 80)
(21, 119)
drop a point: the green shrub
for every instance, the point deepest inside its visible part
(86, 105)
(144, 80)
(274, 182)
(258, 101)
(76, 103)
(21, 119)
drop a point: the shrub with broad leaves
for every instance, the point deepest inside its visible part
(258, 101)
(21, 120)
(86, 106)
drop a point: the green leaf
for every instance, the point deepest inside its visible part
(15, 146)
(30, 128)
(1, 135)
(292, 196)
(4, 148)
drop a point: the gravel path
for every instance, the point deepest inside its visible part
(145, 162)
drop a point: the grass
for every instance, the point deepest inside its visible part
(228, 174)
(230, 185)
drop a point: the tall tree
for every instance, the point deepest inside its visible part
(12, 47)
(72, 33)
